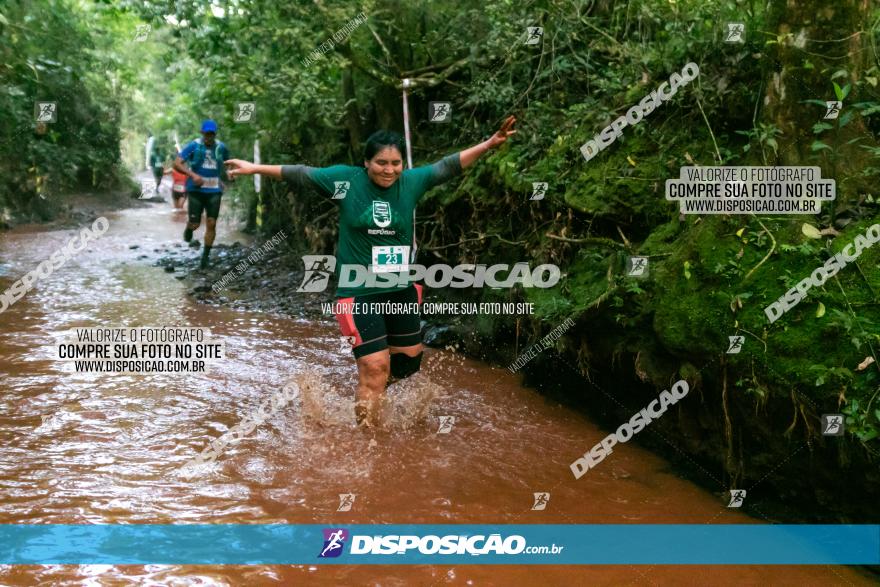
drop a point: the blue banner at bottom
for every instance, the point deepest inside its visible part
(520, 544)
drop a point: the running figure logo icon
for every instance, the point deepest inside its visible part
(49, 423)
(539, 188)
(832, 424)
(245, 112)
(541, 500)
(637, 266)
(534, 35)
(737, 497)
(142, 32)
(439, 111)
(346, 344)
(45, 111)
(446, 424)
(735, 32)
(736, 343)
(148, 188)
(341, 189)
(319, 268)
(346, 500)
(832, 109)
(334, 542)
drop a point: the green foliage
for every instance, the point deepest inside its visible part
(858, 329)
(861, 422)
(51, 52)
(709, 276)
(765, 136)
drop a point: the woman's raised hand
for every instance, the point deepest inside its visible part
(503, 133)
(239, 167)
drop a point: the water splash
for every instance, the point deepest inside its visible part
(405, 406)
(409, 401)
(323, 403)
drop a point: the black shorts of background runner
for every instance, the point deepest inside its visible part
(374, 332)
(197, 202)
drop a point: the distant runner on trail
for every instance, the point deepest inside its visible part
(157, 166)
(178, 187)
(202, 161)
(376, 225)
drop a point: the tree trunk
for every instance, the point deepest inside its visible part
(815, 40)
(352, 113)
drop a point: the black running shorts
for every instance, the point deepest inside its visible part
(198, 202)
(375, 322)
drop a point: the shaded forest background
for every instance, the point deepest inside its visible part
(757, 103)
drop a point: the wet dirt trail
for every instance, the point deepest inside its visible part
(87, 448)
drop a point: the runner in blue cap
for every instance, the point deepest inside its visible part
(202, 162)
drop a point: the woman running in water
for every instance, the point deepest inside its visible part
(376, 226)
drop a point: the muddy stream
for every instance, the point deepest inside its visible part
(88, 448)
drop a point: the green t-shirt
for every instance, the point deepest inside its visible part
(375, 223)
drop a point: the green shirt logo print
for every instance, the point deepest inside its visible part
(381, 213)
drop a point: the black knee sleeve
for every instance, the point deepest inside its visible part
(404, 366)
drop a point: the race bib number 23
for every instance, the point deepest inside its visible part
(391, 259)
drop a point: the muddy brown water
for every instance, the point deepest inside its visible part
(107, 448)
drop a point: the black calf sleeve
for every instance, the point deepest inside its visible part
(404, 366)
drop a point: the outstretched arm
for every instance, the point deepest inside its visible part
(241, 167)
(297, 175)
(469, 156)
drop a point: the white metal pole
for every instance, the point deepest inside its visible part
(147, 150)
(406, 83)
(257, 176)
